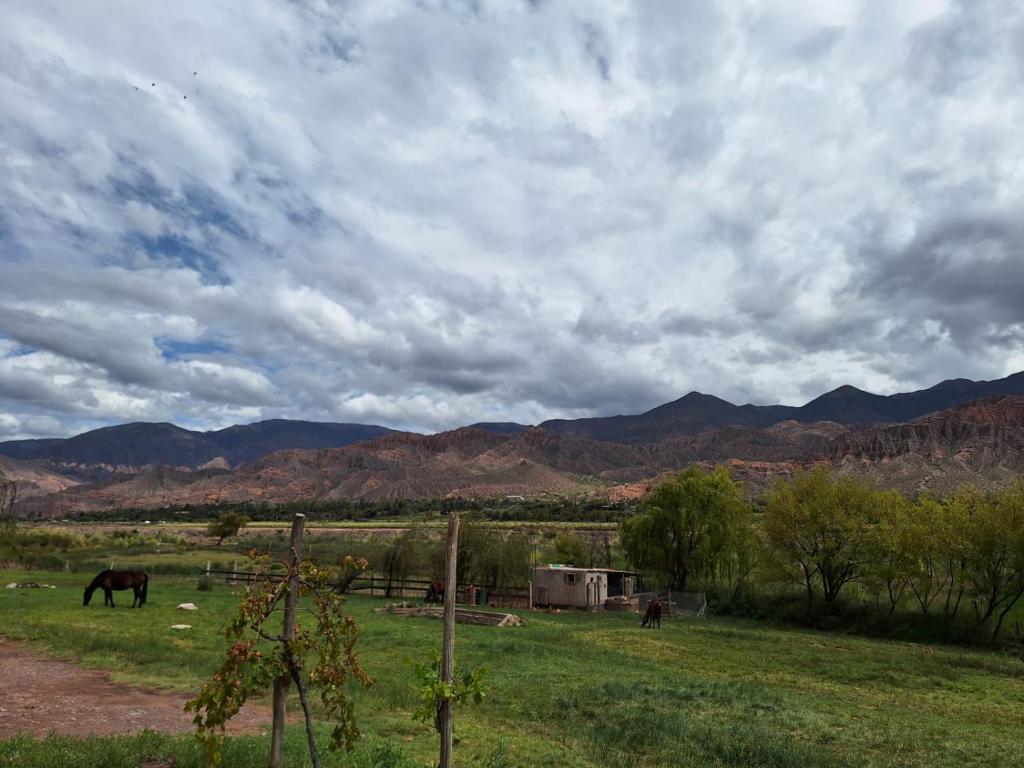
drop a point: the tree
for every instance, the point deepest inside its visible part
(688, 526)
(893, 550)
(995, 557)
(401, 557)
(817, 527)
(572, 550)
(936, 538)
(228, 524)
(322, 656)
(492, 558)
(8, 498)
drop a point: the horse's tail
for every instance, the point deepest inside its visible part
(145, 589)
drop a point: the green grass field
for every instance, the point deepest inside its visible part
(568, 689)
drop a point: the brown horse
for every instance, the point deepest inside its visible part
(653, 614)
(108, 581)
(435, 592)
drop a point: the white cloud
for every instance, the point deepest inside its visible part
(429, 214)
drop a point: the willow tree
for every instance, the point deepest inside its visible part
(690, 526)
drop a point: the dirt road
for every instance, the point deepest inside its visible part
(41, 695)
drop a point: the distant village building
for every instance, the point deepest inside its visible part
(565, 586)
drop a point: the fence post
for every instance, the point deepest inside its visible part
(448, 646)
(290, 601)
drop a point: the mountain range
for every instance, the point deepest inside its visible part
(697, 412)
(954, 432)
(126, 447)
(980, 442)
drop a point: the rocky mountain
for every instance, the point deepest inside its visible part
(500, 427)
(33, 479)
(846, 405)
(980, 442)
(127, 448)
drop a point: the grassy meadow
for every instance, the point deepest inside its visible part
(568, 689)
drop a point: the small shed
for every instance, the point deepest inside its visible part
(565, 586)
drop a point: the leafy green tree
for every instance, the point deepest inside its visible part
(8, 498)
(688, 526)
(403, 557)
(817, 527)
(492, 558)
(572, 550)
(893, 555)
(995, 559)
(228, 524)
(926, 528)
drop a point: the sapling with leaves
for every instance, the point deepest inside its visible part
(433, 692)
(320, 655)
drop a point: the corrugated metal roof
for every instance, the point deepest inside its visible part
(562, 567)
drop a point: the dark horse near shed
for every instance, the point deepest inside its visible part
(653, 614)
(108, 581)
(435, 592)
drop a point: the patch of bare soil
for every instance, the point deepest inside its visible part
(42, 695)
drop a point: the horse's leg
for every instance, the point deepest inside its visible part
(109, 595)
(135, 600)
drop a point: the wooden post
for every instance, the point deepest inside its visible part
(290, 600)
(448, 647)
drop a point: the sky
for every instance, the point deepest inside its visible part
(426, 214)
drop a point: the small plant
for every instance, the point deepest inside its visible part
(466, 686)
(499, 757)
(205, 584)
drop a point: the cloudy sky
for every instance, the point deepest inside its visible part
(423, 214)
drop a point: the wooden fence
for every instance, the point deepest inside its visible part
(378, 585)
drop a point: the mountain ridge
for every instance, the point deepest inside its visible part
(980, 442)
(127, 448)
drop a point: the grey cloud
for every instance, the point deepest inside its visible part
(454, 211)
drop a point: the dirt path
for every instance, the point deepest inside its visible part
(40, 695)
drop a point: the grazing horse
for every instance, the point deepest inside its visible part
(108, 581)
(653, 614)
(435, 592)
